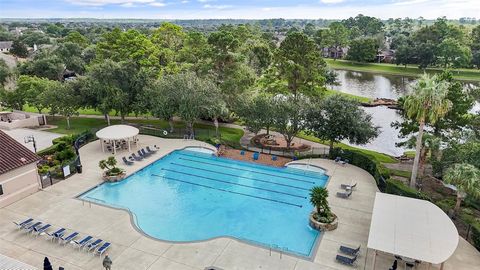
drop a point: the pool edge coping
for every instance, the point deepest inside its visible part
(133, 219)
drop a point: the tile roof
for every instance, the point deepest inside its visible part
(13, 154)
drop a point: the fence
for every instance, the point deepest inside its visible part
(176, 133)
(321, 152)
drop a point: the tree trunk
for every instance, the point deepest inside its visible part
(331, 147)
(268, 130)
(458, 203)
(413, 179)
(107, 118)
(215, 123)
(421, 163)
(68, 122)
(170, 123)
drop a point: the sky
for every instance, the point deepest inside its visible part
(238, 9)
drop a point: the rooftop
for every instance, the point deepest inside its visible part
(13, 154)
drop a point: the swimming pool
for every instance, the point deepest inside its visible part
(194, 196)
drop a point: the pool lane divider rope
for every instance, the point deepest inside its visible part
(246, 170)
(239, 176)
(228, 191)
(235, 184)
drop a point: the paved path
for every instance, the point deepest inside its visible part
(132, 250)
(43, 139)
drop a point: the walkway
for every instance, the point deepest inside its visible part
(132, 250)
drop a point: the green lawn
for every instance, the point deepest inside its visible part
(80, 124)
(330, 92)
(410, 70)
(406, 174)
(383, 158)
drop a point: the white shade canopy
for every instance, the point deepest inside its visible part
(117, 132)
(411, 228)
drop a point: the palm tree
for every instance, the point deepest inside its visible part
(318, 198)
(466, 178)
(427, 103)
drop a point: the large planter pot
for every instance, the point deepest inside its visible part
(323, 226)
(114, 178)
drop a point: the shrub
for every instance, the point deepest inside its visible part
(446, 205)
(398, 188)
(366, 162)
(318, 198)
(476, 235)
(65, 155)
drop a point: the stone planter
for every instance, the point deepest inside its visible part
(323, 226)
(113, 178)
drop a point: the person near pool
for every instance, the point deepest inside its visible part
(107, 262)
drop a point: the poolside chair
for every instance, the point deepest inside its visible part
(350, 251)
(141, 154)
(80, 244)
(344, 195)
(68, 238)
(127, 162)
(242, 152)
(37, 231)
(274, 158)
(151, 150)
(345, 186)
(156, 147)
(344, 162)
(24, 223)
(256, 155)
(102, 249)
(338, 159)
(145, 153)
(57, 234)
(136, 158)
(30, 228)
(93, 244)
(346, 260)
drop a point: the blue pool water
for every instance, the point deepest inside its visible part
(193, 196)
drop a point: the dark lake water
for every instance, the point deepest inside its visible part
(380, 86)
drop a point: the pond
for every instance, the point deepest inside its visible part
(374, 85)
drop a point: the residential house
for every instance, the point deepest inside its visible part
(18, 171)
(5, 46)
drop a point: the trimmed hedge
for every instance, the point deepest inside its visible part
(476, 235)
(398, 188)
(366, 162)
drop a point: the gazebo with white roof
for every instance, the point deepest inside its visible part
(117, 133)
(416, 230)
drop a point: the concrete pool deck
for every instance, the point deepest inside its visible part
(130, 249)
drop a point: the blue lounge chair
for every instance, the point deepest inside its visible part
(345, 186)
(151, 150)
(274, 158)
(127, 162)
(141, 154)
(69, 238)
(93, 244)
(102, 249)
(346, 260)
(350, 251)
(242, 152)
(136, 158)
(80, 244)
(344, 195)
(145, 154)
(57, 234)
(30, 228)
(37, 231)
(256, 155)
(24, 223)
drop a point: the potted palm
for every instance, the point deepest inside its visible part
(111, 173)
(322, 218)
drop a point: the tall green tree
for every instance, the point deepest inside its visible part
(68, 100)
(258, 112)
(289, 117)
(338, 118)
(466, 178)
(298, 63)
(4, 72)
(427, 103)
(339, 36)
(362, 50)
(19, 49)
(451, 52)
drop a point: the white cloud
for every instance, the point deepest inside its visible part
(205, 1)
(332, 1)
(217, 6)
(157, 4)
(185, 2)
(126, 3)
